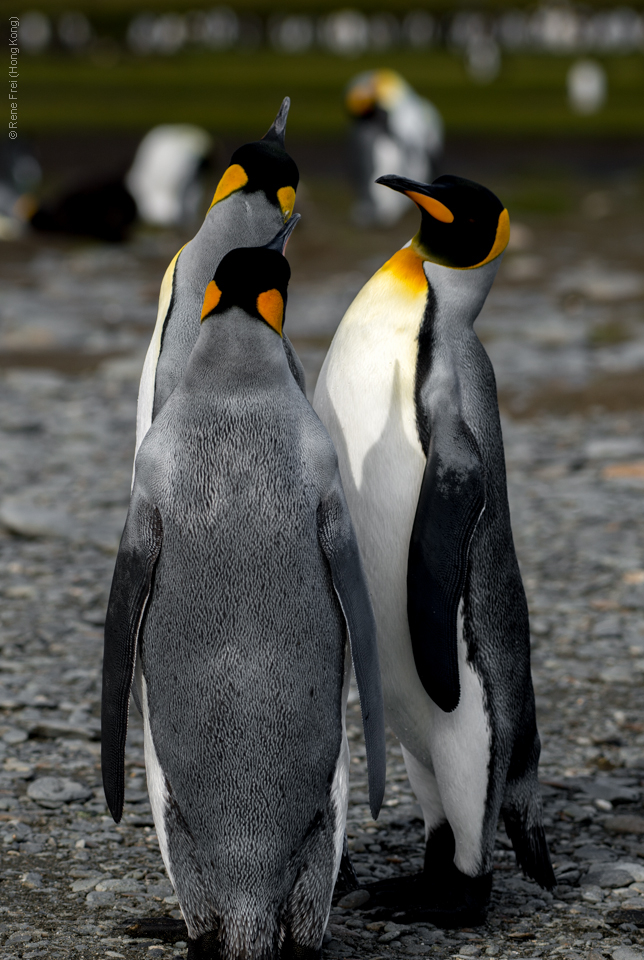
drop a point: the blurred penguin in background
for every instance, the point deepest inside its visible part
(393, 131)
(163, 188)
(165, 176)
(20, 174)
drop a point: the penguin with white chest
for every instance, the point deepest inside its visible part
(408, 395)
(237, 586)
(253, 199)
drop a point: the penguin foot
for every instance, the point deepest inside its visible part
(205, 947)
(461, 902)
(162, 928)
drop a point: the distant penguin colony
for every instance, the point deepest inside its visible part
(393, 130)
(269, 544)
(408, 395)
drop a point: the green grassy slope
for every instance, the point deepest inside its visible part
(237, 93)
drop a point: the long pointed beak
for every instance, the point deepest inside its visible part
(281, 238)
(278, 127)
(425, 195)
(403, 185)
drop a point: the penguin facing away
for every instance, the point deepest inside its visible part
(237, 585)
(253, 199)
(408, 395)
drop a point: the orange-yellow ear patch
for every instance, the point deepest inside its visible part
(435, 208)
(502, 235)
(234, 178)
(270, 306)
(286, 200)
(360, 100)
(211, 298)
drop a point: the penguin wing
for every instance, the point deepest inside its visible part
(452, 499)
(338, 541)
(131, 586)
(295, 364)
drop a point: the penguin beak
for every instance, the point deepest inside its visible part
(278, 128)
(281, 238)
(424, 195)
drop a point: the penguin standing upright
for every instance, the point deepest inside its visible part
(253, 199)
(408, 395)
(238, 581)
(393, 130)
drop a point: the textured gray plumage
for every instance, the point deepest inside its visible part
(243, 643)
(241, 220)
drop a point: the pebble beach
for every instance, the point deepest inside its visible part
(564, 326)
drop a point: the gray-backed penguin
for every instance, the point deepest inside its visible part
(408, 395)
(253, 199)
(238, 581)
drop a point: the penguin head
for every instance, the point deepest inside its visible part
(263, 165)
(463, 225)
(374, 90)
(255, 279)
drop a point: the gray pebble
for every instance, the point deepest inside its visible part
(57, 790)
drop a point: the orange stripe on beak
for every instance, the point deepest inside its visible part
(435, 208)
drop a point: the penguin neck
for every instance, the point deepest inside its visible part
(240, 220)
(234, 349)
(457, 296)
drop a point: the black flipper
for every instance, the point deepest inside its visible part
(131, 585)
(338, 541)
(452, 499)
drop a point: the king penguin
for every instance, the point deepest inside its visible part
(408, 395)
(253, 199)
(239, 589)
(393, 130)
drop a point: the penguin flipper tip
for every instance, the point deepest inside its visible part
(531, 850)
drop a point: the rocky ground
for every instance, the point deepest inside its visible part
(564, 328)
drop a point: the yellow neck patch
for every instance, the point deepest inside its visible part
(407, 267)
(234, 178)
(286, 200)
(211, 298)
(270, 306)
(500, 241)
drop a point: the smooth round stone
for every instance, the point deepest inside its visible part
(119, 886)
(354, 899)
(14, 736)
(627, 953)
(48, 791)
(99, 897)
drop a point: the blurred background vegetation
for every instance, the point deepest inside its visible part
(494, 69)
